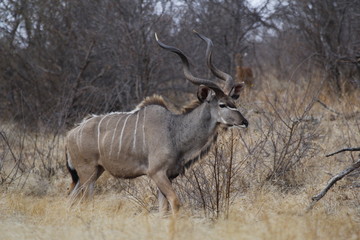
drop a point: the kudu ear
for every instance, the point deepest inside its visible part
(204, 93)
(235, 91)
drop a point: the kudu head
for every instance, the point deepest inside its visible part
(221, 102)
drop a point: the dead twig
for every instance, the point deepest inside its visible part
(327, 107)
(344, 150)
(336, 178)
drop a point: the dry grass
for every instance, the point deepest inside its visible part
(261, 215)
(268, 199)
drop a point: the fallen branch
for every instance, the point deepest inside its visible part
(328, 108)
(343, 150)
(336, 178)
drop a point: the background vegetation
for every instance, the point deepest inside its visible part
(62, 60)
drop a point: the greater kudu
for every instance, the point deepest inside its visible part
(151, 140)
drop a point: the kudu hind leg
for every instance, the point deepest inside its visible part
(164, 185)
(73, 173)
(87, 178)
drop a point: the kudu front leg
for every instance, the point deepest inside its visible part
(163, 202)
(165, 189)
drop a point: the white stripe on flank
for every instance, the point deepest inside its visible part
(121, 134)
(99, 133)
(113, 137)
(136, 125)
(106, 133)
(107, 124)
(143, 129)
(77, 136)
(69, 161)
(80, 133)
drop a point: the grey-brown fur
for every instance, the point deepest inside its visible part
(151, 140)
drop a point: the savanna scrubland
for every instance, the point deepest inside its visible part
(256, 183)
(277, 165)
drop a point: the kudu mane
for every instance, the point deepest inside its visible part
(160, 101)
(157, 100)
(153, 100)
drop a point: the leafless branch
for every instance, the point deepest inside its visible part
(327, 107)
(332, 181)
(336, 178)
(344, 150)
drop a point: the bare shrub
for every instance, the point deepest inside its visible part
(288, 132)
(213, 183)
(11, 162)
(28, 155)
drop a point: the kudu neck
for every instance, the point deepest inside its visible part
(196, 126)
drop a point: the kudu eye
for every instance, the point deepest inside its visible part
(222, 105)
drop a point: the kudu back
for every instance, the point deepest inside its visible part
(151, 140)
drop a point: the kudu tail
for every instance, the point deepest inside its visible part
(72, 171)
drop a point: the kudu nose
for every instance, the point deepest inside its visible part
(245, 123)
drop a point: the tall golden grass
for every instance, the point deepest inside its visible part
(277, 165)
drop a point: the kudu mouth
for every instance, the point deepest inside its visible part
(244, 124)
